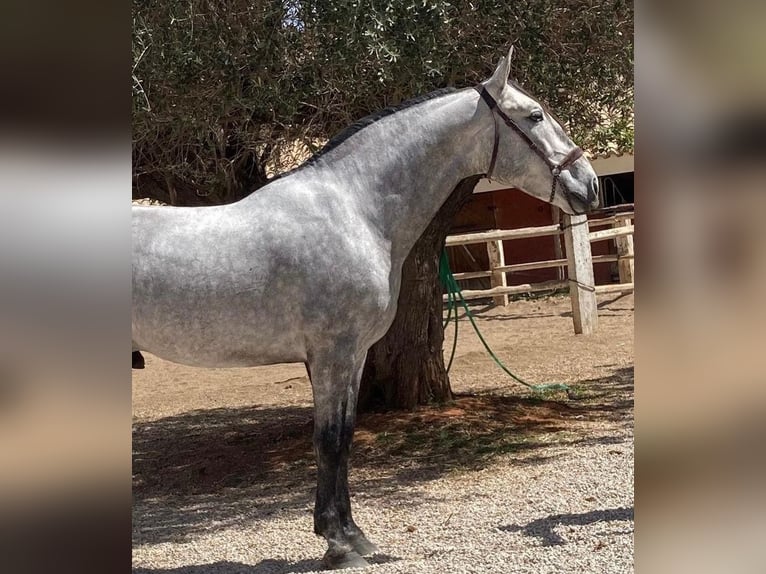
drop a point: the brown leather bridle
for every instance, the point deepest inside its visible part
(556, 168)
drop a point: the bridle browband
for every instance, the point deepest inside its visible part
(556, 168)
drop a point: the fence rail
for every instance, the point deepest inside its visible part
(578, 262)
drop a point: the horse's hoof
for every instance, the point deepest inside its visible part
(348, 560)
(363, 546)
(138, 360)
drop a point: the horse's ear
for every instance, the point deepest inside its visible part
(502, 72)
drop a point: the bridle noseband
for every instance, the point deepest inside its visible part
(556, 168)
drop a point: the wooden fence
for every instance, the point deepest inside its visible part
(579, 232)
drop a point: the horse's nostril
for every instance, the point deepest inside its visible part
(593, 189)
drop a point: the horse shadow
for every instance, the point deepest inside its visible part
(224, 467)
(268, 566)
(227, 567)
(542, 528)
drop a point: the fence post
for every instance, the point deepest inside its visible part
(624, 252)
(558, 252)
(497, 259)
(580, 269)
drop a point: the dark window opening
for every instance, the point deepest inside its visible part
(616, 189)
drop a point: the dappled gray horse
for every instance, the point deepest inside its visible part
(308, 268)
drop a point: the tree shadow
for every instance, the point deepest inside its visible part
(218, 468)
(542, 528)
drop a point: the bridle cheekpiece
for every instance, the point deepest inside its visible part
(556, 168)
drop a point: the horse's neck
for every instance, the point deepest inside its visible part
(403, 167)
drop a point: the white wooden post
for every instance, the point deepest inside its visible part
(497, 259)
(580, 267)
(624, 252)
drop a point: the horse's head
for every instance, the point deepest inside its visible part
(531, 150)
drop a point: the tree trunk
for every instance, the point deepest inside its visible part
(406, 367)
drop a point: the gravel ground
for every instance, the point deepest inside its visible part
(498, 482)
(572, 513)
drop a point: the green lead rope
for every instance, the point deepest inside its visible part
(453, 296)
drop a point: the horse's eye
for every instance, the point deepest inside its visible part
(536, 116)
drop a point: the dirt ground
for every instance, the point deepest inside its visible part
(209, 444)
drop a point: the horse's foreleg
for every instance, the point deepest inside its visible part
(335, 383)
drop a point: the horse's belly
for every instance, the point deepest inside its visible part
(217, 337)
(209, 350)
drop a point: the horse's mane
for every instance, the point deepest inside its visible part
(359, 125)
